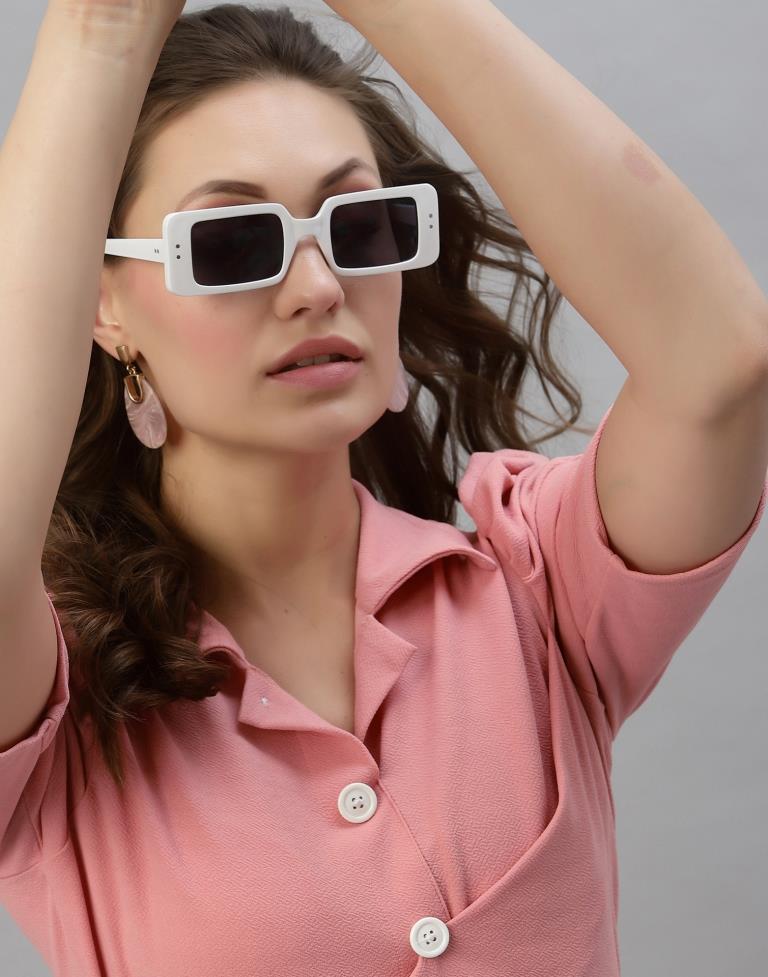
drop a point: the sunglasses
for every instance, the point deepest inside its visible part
(233, 249)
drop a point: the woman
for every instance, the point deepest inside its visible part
(309, 731)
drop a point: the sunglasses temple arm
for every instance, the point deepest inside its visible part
(147, 249)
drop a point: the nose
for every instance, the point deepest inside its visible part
(310, 282)
(309, 256)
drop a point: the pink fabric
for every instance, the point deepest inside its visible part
(493, 672)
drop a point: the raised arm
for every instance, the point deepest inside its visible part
(60, 166)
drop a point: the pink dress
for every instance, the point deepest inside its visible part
(467, 827)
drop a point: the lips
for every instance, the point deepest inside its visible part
(322, 346)
(295, 366)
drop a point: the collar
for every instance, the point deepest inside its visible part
(393, 546)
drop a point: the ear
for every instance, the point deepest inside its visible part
(108, 332)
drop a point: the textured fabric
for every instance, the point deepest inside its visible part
(493, 672)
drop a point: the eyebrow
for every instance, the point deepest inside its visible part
(255, 190)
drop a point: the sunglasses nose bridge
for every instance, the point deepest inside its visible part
(308, 227)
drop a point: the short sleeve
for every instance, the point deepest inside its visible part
(40, 776)
(617, 628)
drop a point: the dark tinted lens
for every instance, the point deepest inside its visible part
(233, 250)
(373, 233)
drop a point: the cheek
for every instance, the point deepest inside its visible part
(191, 328)
(380, 310)
(208, 337)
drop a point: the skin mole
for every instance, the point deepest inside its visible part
(640, 164)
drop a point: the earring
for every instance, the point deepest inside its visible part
(145, 412)
(401, 393)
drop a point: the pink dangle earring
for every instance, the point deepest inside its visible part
(145, 412)
(399, 399)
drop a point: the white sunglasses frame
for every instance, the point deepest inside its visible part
(177, 229)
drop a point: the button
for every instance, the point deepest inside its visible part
(357, 803)
(430, 937)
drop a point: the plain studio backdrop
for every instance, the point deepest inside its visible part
(689, 772)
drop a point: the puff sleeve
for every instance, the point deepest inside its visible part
(616, 628)
(40, 777)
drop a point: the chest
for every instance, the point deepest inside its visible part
(313, 663)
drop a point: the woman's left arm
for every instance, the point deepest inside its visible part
(682, 460)
(630, 247)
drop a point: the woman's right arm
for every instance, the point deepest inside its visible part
(60, 166)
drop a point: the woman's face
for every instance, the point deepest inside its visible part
(206, 356)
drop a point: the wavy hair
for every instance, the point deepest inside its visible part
(117, 565)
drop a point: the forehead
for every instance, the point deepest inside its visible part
(284, 134)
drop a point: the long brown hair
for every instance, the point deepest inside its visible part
(117, 565)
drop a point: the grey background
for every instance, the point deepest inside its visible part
(689, 767)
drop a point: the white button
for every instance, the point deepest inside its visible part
(358, 802)
(430, 937)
